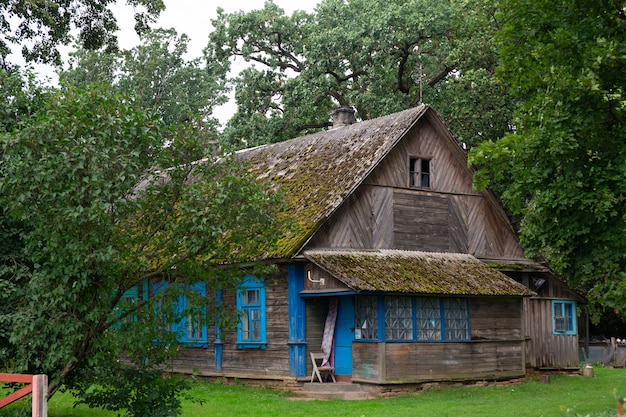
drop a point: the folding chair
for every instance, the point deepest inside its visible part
(321, 371)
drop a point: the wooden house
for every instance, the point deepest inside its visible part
(399, 269)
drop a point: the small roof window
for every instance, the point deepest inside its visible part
(419, 172)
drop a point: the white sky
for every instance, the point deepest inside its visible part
(191, 17)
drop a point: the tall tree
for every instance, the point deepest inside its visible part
(39, 27)
(21, 93)
(379, 57)
(158, 76)
(99, 196)
(564, 168)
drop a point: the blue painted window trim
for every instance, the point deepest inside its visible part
(415, 305)
(566, 311)
(131, 295)
(182, 327)
(251, 283)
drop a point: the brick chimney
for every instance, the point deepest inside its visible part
(343, 116)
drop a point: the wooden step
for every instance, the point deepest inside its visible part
(332, 391)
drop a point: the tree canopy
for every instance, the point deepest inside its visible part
(97, 196)
(563, 170)
(157, 75)
(40, 27)
(378, 57)
(22, 95)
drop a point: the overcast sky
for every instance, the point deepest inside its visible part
(193, 17)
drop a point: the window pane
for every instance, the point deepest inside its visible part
(256, 330)
(251, 297)
(367, 318)
(398, 318)
(456, 320)
(245, 326)
(568, 316)
(194, 327)
(428, 318)
(425, 166)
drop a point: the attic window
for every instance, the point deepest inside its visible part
(419, 172)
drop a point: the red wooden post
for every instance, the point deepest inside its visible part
(37, 384)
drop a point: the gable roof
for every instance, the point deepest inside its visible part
(318, 172)
(412, 272)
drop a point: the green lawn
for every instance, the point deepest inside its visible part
(565, 396)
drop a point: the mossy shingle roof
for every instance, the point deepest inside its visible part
(411, 272)
(318, 172)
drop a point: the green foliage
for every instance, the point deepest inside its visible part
(22, 95)
(142, 393)
(158, 77)
(379, 57)
(563, 172)
(40, 27)
(98, 196)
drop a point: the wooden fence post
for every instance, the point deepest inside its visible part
(35, 384)
(40, 396)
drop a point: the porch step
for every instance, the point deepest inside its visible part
(337, 390)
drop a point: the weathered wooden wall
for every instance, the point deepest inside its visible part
(496, 350)
(496, 318)
(271, 362)
(420, 362)
(315, 275)
(450, 216)
(316, 311)
(543, 348)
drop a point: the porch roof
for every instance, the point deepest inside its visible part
(412, 272)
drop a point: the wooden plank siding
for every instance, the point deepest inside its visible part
(384, 212)
(364, 221)
(449, 170)
(271, 362)
(495, 351)
(496, 318)
(420, 221)
(543, 348)
(316, 311)
(399, 363)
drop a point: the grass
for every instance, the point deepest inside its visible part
(566, 395)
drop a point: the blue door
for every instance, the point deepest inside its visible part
(344, 335)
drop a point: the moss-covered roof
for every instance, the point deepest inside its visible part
(318, 172)
(410, 272)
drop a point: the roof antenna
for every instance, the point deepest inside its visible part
(421, 84)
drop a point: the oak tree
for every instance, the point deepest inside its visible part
(40, 27)
(563, 170)
(378, 57)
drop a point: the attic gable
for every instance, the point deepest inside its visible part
(319, 171)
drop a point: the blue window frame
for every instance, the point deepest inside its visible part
(251, 328)
(130, 297)
(419, 319)
(191, 329)
(563, 317)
